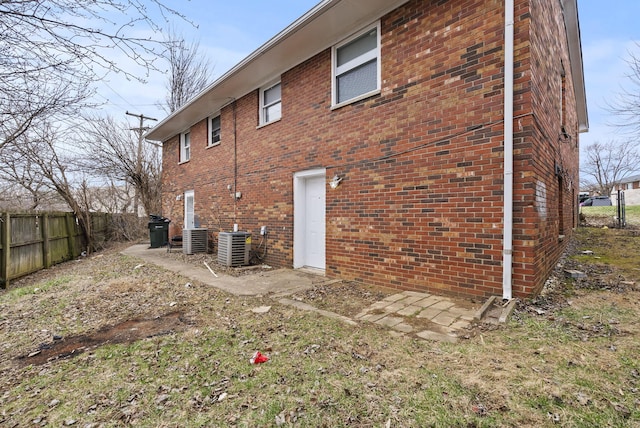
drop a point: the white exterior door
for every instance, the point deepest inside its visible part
(189, 222)
(309, 219)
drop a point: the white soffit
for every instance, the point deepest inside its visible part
(575, 56)
(323, 26)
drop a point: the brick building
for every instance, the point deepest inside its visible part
(422, 144)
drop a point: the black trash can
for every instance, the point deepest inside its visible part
(158, 231)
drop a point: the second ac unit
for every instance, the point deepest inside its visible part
(194, 240)
(234, 248)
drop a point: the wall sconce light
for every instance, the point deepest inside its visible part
(558, 170)
(179, 198)
(335, 182)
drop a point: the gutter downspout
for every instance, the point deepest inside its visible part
(507, 245)
(235, 165)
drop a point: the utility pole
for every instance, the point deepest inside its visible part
(140, 131)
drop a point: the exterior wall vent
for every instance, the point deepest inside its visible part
(233, 248)
(194, 241)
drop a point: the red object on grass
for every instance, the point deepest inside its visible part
(258, 358)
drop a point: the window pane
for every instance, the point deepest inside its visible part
(184, 147)
(215, 136)
(215, 130)
(189, 210)
(359, 46)
(358, 81)
(215, 122)
(273, 112)
(272, 95)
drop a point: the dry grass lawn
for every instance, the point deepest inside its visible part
(151, 351)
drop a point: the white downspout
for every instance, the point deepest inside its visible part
(507, 245)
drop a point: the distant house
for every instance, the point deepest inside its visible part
(422, 145)
(631, 187)
(628, 183)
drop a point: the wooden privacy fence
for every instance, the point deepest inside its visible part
(34, 241)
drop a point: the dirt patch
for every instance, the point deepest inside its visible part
(342, 297)
(125, 332)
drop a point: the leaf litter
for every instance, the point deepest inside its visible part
(356, 377)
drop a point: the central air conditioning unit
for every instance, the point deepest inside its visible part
(234, 248)
(194, 240)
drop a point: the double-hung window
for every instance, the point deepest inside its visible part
(270, 103)
(356, 66)
(214, 131)
(185, 146)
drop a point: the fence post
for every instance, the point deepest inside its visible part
(71, 234)
(46, 249)
(6, 249)
(622, 217)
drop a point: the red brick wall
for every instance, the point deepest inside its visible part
(420, 204)
(553, 202)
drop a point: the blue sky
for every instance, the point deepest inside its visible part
(610, 31)
(228, 31)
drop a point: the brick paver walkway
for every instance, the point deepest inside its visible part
(446, 318)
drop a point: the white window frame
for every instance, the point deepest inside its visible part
(210, 142)
(356, 62)
(264, 107)
(185, 146)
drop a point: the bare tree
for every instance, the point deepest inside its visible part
(606, 164)
(14, 198)
(28, 187)
(189, 71)
(626, 105)
(37, 162)
(112, 197)
(112, 153)
(25, 100)
(53, 50)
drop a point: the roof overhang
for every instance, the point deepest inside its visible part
(575, 56)
(320, 28)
